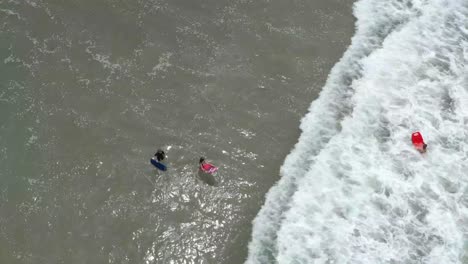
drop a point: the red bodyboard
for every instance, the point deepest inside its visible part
(417, 140)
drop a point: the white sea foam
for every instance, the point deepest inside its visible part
(354, 190)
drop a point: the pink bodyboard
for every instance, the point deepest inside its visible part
(208, 168)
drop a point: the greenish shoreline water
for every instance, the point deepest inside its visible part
(90, 89)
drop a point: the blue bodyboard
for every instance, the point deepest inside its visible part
(158, 165)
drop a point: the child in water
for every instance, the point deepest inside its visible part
(418, 142)
(160, 155)
(207, 167)
(424, 148)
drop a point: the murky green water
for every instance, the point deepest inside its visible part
(90, 89)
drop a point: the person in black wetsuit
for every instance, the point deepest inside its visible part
(160, 155)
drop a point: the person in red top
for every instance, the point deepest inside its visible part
(418, 142)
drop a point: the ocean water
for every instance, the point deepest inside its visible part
(89, 89)
(353, 189)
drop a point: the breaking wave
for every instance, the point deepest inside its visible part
(354, 190)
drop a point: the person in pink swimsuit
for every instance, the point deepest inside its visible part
(207, 167)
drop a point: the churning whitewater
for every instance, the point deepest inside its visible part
(354, 189)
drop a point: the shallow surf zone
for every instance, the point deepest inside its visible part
(354, 190)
